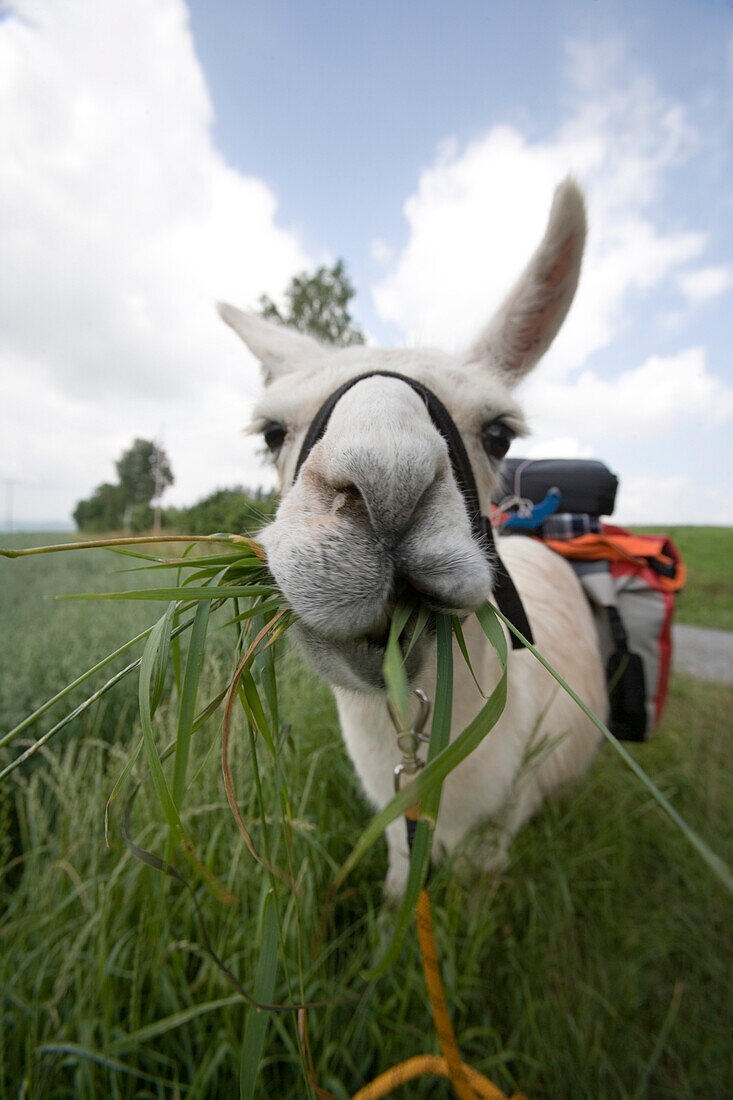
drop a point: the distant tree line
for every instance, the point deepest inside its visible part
(237, 511)
(144, 472)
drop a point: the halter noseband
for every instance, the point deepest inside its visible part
(505, 593)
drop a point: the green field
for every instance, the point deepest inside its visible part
(597, 965)
(707, 599)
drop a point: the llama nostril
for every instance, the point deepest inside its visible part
(346, 495)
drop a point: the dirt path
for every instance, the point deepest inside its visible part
(704, 654)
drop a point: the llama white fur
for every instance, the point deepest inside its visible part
(376, 504)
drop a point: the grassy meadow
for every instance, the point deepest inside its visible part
(597, 965)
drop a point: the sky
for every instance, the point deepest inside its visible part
(157, 156)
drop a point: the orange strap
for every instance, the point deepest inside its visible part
(468, 1083)
(635, 549)
(421, 1065)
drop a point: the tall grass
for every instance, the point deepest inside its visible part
(108, 987)
(561, 973)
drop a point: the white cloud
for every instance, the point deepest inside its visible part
(662, 427)
(565, 446)
(705, 283)
(122, 225)
(643, 499)
(649, 400)
(478, 214)
(661, 420)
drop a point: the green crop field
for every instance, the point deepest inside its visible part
(707, 599)
(597, 965)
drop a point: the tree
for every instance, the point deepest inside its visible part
(238, 509)
(144, 472)
(103, 511)
(318, 305)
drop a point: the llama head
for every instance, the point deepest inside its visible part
(374, 511)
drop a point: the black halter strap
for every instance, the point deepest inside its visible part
(505, 593)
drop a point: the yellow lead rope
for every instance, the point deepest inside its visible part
(468, 1083)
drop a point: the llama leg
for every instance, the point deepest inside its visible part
(399, 860)
(526, 799)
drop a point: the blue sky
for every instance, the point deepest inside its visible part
(155, 157)
(339, 106)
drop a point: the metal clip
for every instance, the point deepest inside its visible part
(408, 740)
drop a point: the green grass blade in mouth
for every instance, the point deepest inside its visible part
(160, 669)
(422, 844)
(436, 770)
(184, 592)
(148, 666)
(442, 709)
(393, 668)
(201, 561)
(128, 552)
(255, 711)
(422, 620)
(458, 631)
(187, 705)
(140, 540)
(154, 647)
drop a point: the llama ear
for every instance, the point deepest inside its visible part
(278, 348)
(525, 325)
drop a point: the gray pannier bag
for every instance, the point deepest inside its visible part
(630, 580)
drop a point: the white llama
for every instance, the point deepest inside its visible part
(375, 507)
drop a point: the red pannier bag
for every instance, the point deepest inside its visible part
(631, 582)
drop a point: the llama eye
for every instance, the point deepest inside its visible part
(274, 435)
(496, 438)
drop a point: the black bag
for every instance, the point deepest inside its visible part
(586, 484)
(627, 688)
